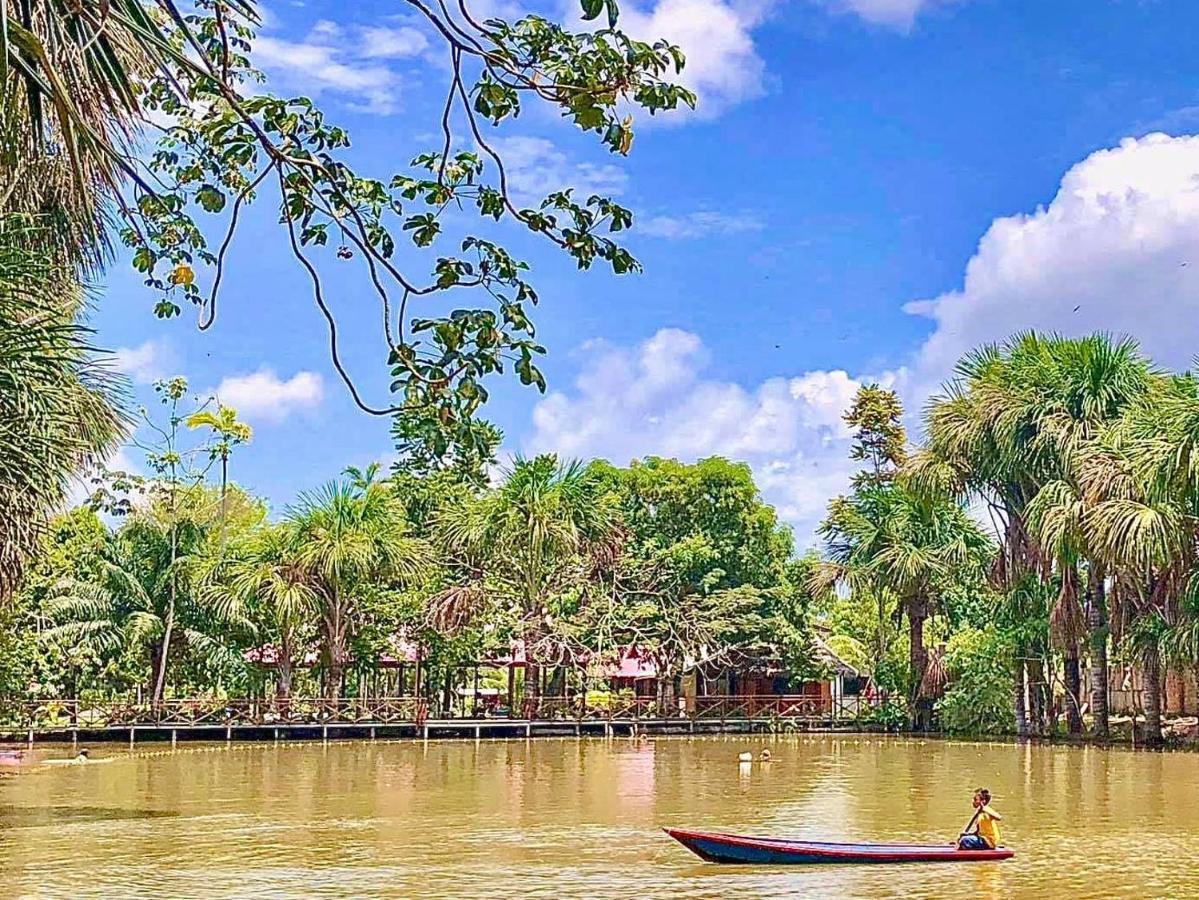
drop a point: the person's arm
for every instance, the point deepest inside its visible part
(994, 815)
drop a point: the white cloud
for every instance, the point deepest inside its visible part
(723, 65)
(147, 362)
(1116, 250)
(264, 396)
(536, 167)
(702, 223)
(344, 61)
(380, 41)
(900, 14)
(655, 399)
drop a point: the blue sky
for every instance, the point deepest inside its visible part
(869, 188)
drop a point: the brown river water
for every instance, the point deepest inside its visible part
(580, 818)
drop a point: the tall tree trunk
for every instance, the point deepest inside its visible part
(1019, 703)
(1098, 626)
(1073, 691)
(668, 699)
(336, 640)
(532, 694)
(1151, 688)
(1038, 696)
(160, 680)
(283, 688)
(917, 663)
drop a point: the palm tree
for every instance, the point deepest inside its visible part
(1143, 482)
(1013, 422)
(530, 539)
(73, 83)
(58, 403)
(265, 572)
(145, 601)
(890, 538)
(349, 538)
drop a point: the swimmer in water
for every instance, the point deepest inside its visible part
(764, 756)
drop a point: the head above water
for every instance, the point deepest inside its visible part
(982, 797)
(83, 751)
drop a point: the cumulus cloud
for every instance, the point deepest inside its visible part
(723, 65)
(147, 362)
(349, 62)
(656, 398)
(702, 223)
(1116, 250)
(536, 167)
(264, 396)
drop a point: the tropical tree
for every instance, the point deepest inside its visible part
(704, 568)
(912, 545)
(533, 542)
(265, 576)
(1012, 423)
(147, 601)
(349, 539)
(227, 432)
(58, 403)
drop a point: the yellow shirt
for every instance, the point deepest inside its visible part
(988, 826)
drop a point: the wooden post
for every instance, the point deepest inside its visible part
(174, 738)
(325, 733)
(130, 738)
(372, 732)
(228, 733)
(474, 707)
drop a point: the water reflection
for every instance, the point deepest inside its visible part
(568, 818)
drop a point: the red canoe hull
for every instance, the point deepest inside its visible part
(737, 849)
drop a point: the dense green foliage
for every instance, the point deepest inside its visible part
(571, 563)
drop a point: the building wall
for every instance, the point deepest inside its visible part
(1126, 692)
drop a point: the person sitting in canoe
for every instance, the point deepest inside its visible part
(983, 831)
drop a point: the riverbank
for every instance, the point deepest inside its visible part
(1179, 735)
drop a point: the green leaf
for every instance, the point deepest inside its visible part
(210, 199)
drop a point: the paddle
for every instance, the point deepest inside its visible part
(978, 812)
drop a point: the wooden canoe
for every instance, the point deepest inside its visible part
(732, 848)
